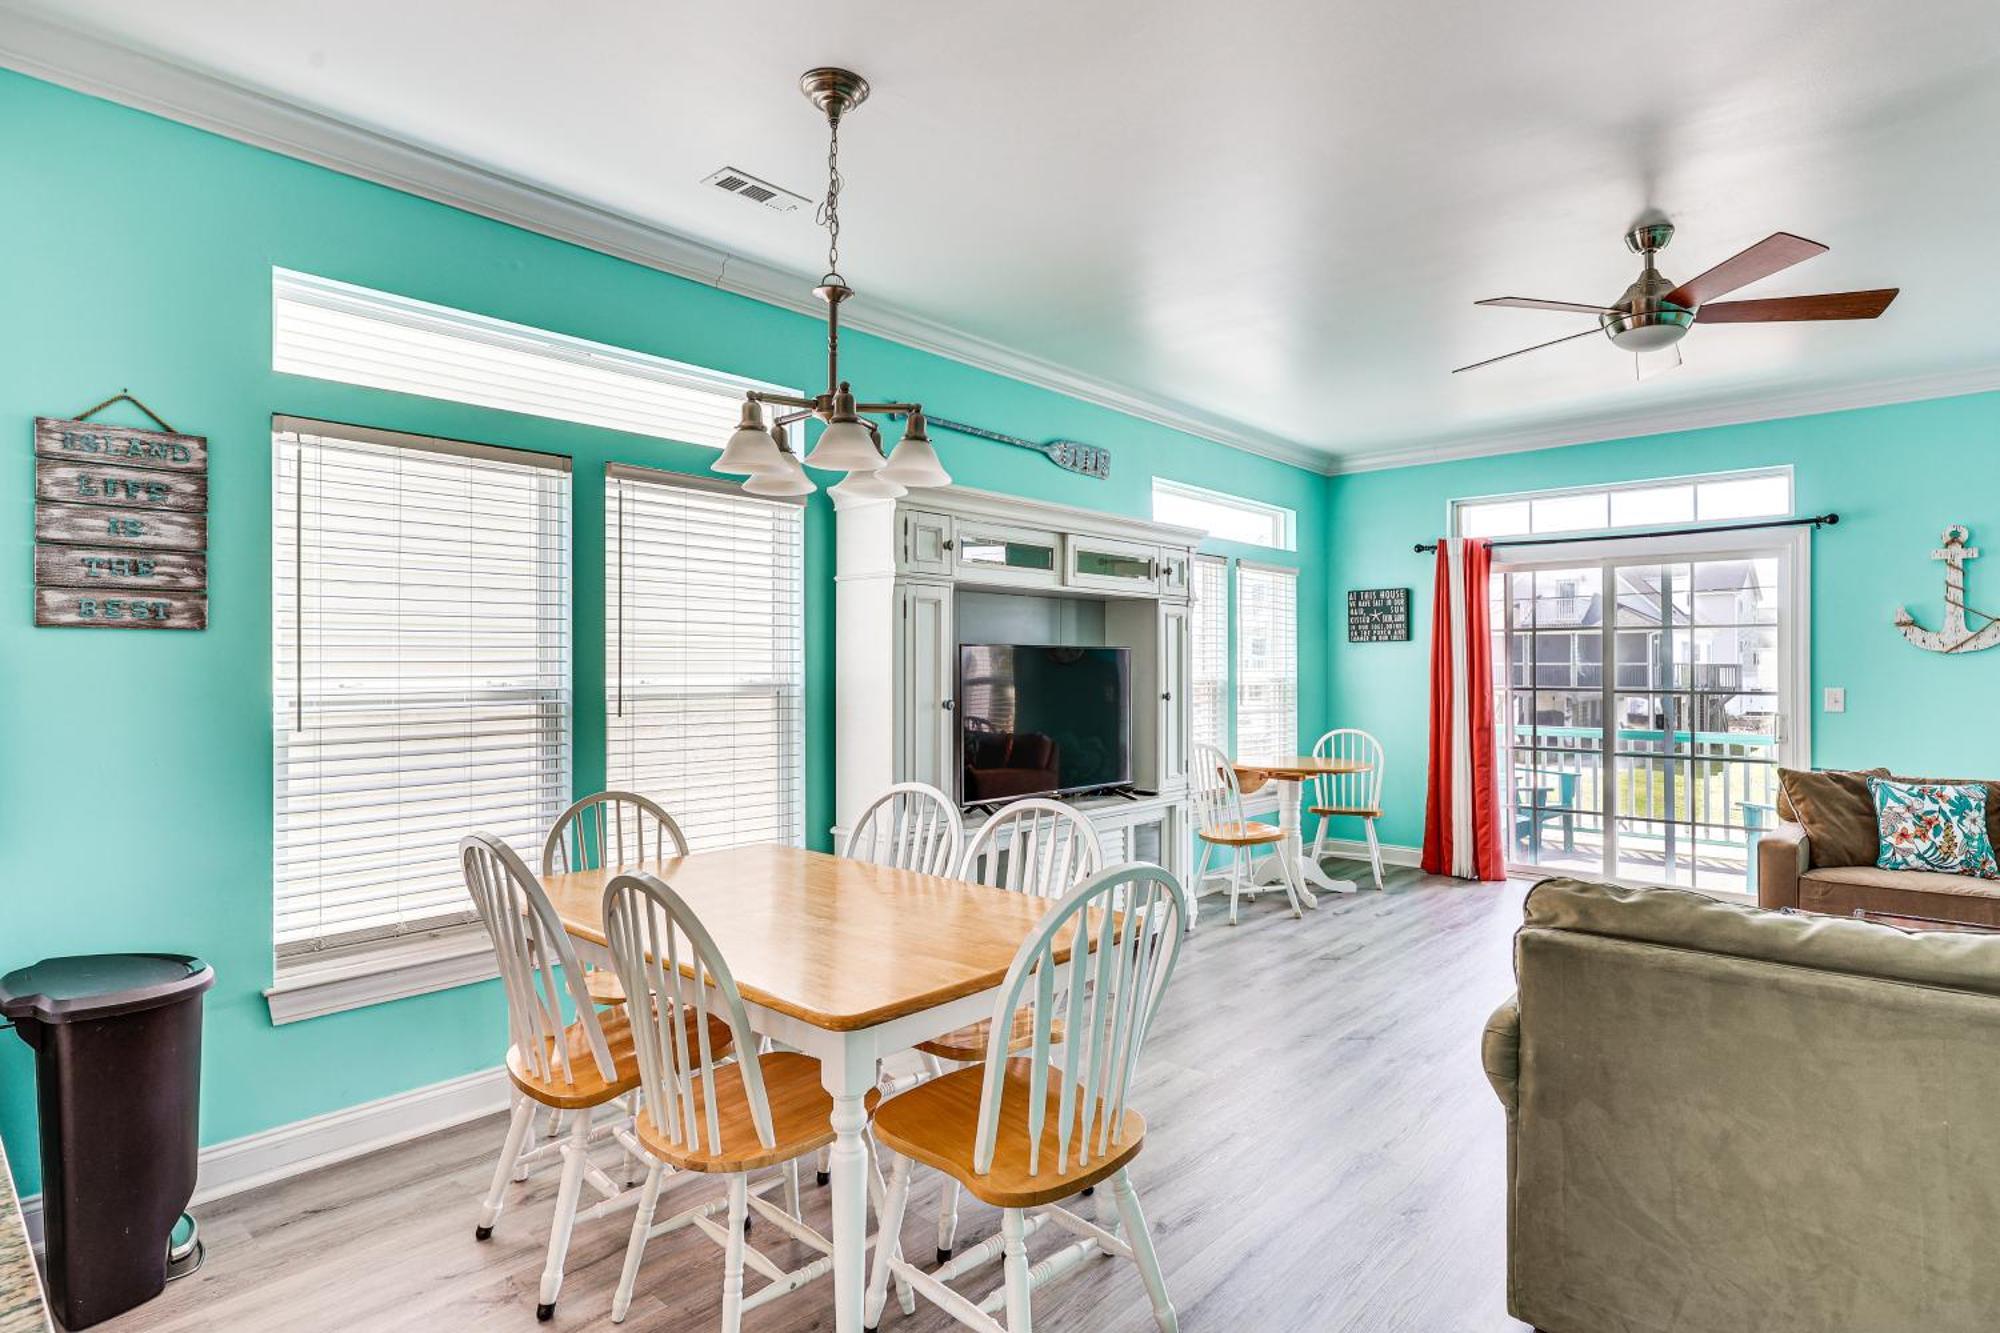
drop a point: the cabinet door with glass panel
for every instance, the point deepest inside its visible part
(1644, 702)
(1000, 553)
(1117, 566)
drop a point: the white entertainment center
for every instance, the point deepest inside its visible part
(920, 575)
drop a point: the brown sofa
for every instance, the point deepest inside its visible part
(1820, 858)
(1724, 1120)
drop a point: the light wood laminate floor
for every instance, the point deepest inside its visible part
(1324, 1155)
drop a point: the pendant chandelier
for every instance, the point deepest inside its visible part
(849, 441)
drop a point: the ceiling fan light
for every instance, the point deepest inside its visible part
(914, 462)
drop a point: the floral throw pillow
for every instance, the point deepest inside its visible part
(1933, 826)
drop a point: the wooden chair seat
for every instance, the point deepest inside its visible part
(1245, 834)
(1361, 811)
(604, 987)
(801, 1118)
(586, 1085)
(968, 1044)
(936, 1123)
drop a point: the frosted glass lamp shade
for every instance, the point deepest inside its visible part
(845, 446)
(866, 486)
(788, 478)
(915, 463)
(750, 452)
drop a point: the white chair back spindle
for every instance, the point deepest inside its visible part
(1124, 929)
(1349, 791)
(1215, 799)
(531, 948)
(611, 828)
(911, 826)
(653, 935)
(1038, 847)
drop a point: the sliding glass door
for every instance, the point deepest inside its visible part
(1645, 694)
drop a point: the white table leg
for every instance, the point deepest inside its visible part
(848, 1079)
(1290, 856)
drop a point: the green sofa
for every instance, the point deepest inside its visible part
(1723, 1119)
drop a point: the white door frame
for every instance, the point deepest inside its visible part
(1792, 546)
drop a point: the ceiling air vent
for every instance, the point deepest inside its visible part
(746, 186)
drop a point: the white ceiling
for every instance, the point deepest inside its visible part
(1261, 215)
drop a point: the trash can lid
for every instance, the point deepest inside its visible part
(68, 990)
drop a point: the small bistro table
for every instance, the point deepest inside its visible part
(844, 960)
(1290, 774)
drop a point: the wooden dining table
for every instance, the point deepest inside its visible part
(844, 960)
(1290, 773)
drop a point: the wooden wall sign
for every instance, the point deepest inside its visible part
(121, 527)
(1378, 615)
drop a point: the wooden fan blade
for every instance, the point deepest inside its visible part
(1831, 305)
(1530, 303)
(1525, 350)
(1779, 250)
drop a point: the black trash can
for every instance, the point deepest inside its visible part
(117, 1041)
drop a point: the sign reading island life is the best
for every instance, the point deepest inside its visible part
(121, 527)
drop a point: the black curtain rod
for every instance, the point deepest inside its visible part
(1817, 520)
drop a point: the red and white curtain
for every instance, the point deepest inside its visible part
(1462, 820)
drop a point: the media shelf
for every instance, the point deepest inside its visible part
(920, 575)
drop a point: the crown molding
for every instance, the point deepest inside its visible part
(91, 63)
(1870, 393)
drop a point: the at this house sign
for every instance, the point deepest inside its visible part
(121, 527)
(1378, 615)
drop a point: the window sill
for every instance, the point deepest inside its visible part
(378, 973)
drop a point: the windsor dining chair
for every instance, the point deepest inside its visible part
(575, 1067)
(1356, 793)
(762, 1110)
(1021, 1133)
(1215, 807)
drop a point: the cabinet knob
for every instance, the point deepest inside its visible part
(948, 705)
(947, 543)
(1167, 695)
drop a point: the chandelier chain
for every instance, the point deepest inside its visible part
(829, 209)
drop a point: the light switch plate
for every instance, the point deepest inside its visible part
(1836, 699)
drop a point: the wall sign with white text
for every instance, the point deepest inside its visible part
(121, 527)
(1378, 615)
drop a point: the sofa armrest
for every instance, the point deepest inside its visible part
(1500, 1049)
(1783, 854)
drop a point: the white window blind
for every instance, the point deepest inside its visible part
(705, 654)
(1210, 633)
(420, 599)
(356, 335)
(1267, 661)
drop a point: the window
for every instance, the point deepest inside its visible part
(704, 647)
(1229, 517)
(420, 635)
(1673, 501)
(1209, 631)
(1267, 661)
(336, 331)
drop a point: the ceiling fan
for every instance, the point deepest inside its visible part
(1654, 314)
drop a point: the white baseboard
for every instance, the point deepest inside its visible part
(322, 1140)
(1354, 849)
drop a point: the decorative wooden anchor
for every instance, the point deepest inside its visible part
(1955, 637)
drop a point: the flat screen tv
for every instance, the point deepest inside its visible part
(1036, 720)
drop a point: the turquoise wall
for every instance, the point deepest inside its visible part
(135, 768)
(1896, 476)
